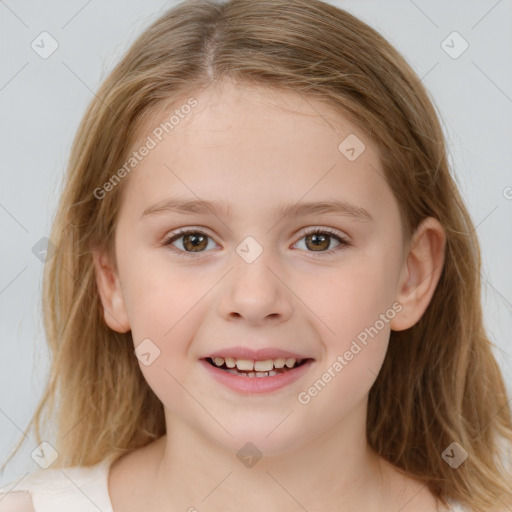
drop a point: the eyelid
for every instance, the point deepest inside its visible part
(170, 238)
(187, 229)
(343, 241)
(331, 231)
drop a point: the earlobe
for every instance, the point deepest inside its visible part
(110, 292)
(421, 273)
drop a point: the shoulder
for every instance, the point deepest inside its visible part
(55, 489)
(16, 501)
(456, 507)
(50, 480)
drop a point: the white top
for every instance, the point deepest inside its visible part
(71, 489)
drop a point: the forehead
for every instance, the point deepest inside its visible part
(256, 146)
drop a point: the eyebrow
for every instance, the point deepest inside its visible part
(200, 206)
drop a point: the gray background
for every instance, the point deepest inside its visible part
(43, 100)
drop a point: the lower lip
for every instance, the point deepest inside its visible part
(257, 384)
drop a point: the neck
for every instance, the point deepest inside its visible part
(336, 469)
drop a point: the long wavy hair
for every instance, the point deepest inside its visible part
(449, 386)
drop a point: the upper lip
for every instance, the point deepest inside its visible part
(250, 354)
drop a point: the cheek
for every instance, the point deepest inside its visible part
(356, 311)
(355, 304)
(159, 293)
(351, 297)
(166, 304)
(342, 385)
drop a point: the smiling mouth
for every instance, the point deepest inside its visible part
(253, 373)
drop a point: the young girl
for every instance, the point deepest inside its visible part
(265, 293)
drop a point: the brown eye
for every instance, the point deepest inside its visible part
(195, 242)
(191, 241)
(318, 241)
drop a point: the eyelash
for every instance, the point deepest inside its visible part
(178, 234)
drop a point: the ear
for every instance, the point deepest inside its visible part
(420, 273)
(111, 295)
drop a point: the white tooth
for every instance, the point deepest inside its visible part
(261, 374)
(264, 366)
(230, 362)
(244, 364)
(251, 374)
(279, 363)
(219, 361)
(271, 373)
(290, 362)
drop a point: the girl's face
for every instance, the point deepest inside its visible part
(254, 277)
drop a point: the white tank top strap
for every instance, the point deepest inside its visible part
(76, 489)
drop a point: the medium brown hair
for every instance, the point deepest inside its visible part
(439, 383)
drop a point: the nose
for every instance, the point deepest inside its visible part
(256, 292)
